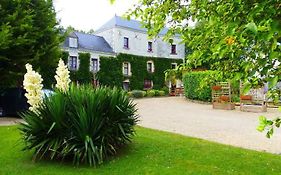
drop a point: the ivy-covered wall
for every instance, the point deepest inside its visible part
(110, 72)
(83, 74)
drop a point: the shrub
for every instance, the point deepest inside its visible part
(196, 84)
(130, 94)
(162, 93)
(165, 89)
(144, 93)
(84, 124)
(138, 93)
(156, 93)
(150, 93)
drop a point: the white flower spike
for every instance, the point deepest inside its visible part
(33, 85)
(62, 77)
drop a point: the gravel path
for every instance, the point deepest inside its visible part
(176, 114)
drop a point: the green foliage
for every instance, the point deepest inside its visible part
(156, 93)
(161, 93)
(197, 85)
(165, 89)
(268, 125)
(130, 94)
(110, 73)
(84, 124)
(83, 75)
(148, 147)
(138, 93)
(64, 57)
(236, 37)
(150, 93)
(29, 34)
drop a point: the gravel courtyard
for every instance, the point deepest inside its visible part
(176, 114)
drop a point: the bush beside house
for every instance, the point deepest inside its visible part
(196, 85)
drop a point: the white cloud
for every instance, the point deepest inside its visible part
(89, 14)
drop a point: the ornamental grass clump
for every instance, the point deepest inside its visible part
(79, 123)
(83, 124)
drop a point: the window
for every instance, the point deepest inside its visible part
(149, 46)
(73, 42)
(94, 65)
(150, 66)
(174, 65)
(72, 63)
(173, 49)
(126, 42)
(148, 84)
(126, 69)
(126, 85)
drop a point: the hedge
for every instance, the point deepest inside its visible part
(110, 72)
(196, 86)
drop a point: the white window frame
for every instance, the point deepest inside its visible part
(151, 84)
(174, 64)
(129, 69)
(71, 63)
(92, 65)
(152, 66)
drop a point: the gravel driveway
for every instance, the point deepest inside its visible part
(176, 114)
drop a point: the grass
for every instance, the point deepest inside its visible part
(152, 152)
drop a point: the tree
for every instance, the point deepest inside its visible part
(238, 38)
(234, 36)
(29, 34)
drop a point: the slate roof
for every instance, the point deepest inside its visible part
(132, 24)
(90, 42)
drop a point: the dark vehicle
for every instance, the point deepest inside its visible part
(13, 101)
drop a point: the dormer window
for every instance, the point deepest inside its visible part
(126, 43)
(73, 42)
(149, 46)
(173, 49)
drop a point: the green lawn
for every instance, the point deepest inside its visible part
(152, 152)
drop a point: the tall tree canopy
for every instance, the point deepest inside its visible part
(237, 37)
(28, 34)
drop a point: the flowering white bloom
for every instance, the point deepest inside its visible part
(62, 77)
(32, 83)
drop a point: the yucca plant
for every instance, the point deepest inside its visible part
(84, 124)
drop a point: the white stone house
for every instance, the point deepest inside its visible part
(119, 35)
(129, 37)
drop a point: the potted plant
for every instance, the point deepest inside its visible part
(245, 97)
(224, 98)
(216, 88)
